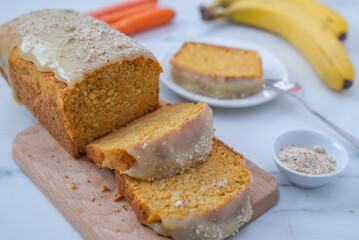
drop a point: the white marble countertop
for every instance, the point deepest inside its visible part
(321, 213)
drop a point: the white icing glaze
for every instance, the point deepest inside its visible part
(65, 42)
(216, 224)
(176, 151)
(218, 87)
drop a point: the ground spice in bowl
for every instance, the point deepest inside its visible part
(310, 161)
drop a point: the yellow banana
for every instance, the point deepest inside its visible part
(325, 15)
(321, 48)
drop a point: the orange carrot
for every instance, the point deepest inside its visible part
(119, 15)
(118, 7)
(148, 19)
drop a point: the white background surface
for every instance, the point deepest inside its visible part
(322, 213)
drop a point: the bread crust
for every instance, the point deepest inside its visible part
(125, 191)
(38, 92)
(97, 156)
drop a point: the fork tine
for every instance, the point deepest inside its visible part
(282, 85)
(271, 81)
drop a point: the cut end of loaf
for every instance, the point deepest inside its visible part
(111, 97)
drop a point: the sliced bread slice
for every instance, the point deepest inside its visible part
(217, 72)
(160, 144)
(209, 201)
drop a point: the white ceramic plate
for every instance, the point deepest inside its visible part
(271, 65)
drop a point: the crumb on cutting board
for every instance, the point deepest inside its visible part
(66, 176)
(104, 188)
(88, 180)
(99, 204)
(72, 186)
(124, 207)
(352, 211)
(118, 197)
(93, 199)
(117, 230)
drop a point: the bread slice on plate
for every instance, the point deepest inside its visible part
(209, 201)
(162, 143)
(217, 72)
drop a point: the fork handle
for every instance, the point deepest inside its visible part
(342, 132)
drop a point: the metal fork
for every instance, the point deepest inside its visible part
(292, 89)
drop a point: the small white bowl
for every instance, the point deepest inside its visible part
(308, 138)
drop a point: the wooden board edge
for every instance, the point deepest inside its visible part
(269, 200)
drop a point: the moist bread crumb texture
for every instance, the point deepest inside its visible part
(167, 141)
(195, 197)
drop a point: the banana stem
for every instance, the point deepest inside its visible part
(209, 14)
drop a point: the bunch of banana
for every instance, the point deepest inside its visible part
(325, 15)
(310, 26)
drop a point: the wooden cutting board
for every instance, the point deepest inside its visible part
(94, 213)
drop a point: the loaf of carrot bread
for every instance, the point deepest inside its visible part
(77, 75)
(217, 72)
(160, 144)
(209, 201)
